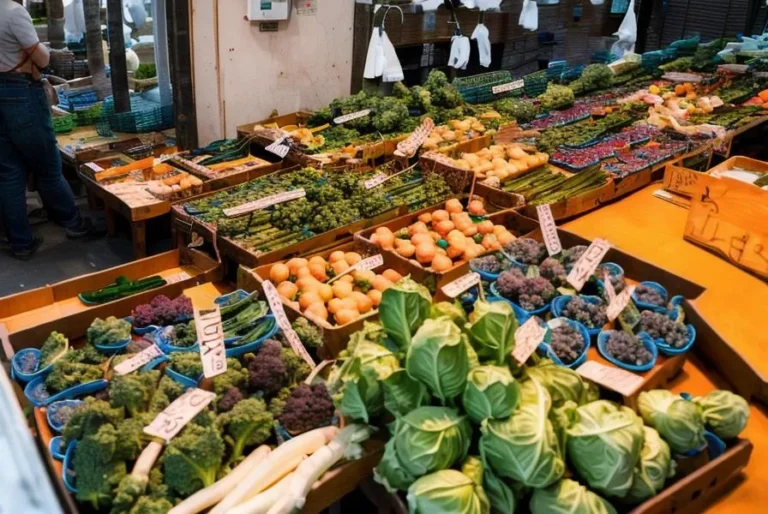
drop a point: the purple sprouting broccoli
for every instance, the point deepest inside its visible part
(552, 270)
(266, 370)
(567, 343)
(571, 255)
(488, 263)
(528, 293)
(526, 250)
(143, 316)
(159, 300)
(165, 310)
(183, 305)
(308, 407)
(628, 349)
(660, 326)
(649, 295)
(588, 314)
(229, 399)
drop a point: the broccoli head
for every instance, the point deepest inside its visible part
(266, 370)
(88, 417)
(442, 93)
(133, 391)
(236, 376)
(295, 366)
(67, 374)
(132, 438)
(52, 348)
(97, 468)
(400, 90)
(167, 391)
(277, 404)
(108, 332)
(308, 333)
(88, 354)
(128, 492)
(192, 459)
(248, 424)
(146, 505)
(143, 316)
(320, 117)
(229, 399)
(390, 116)
(187, 364)
(308, 407)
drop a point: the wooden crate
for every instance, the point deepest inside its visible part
(295, 118)
(229, 176)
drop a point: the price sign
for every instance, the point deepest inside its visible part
(351, 116)
(210, 336)
(265, 202)
(610, 292)
(278, 148)
(616, 379)
(377, 180)
(170, 422)
(509, 86)
(549, 229)
(178, 277)
(143, 357)
(276, 305)
(370, 263)
(409, 146)
(588, 263)
(159, 160)
(619, 302)
(461, 284)
(94, 167)
(527, 338)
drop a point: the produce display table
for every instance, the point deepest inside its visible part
(724, 148)
(733, 303)
(84, 144)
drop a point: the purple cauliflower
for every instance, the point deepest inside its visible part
(526, 250)
(229, 399)
(649, 295)
(566, 343)
(488, 263)
(165, 310)
(159, 300)
(627, 349)
(552, 270)
(183, 306)
(660, 326)
(143, 316)
(266, 370)
(308, 407)
(588, 314)
(571, 255)
(528, 293)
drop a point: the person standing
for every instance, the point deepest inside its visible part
(27, 140)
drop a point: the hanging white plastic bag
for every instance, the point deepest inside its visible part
(483, 5)
(428, 5)
(74, 19)
(134, 13)
(483, 39)
(529, 16)
(459, 57)
(597, 2)
(392, 71)
(627, 33)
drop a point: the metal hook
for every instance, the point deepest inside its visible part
(386, 8)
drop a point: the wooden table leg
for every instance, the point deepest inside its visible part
(109, 220)
(139, 235)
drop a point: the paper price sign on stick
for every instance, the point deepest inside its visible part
(588, 263)
(376, 180)
(365, 265)
(409, 146)
(509, 86)
(527, 338)
(351, 116)
(461, 284)
(210, 337)
(276, 305)
(278, 148)
(263, 203)
(618, 303)
(610, 292)
(170, 422)
(549, 229)
(616, 379)
(145, 356)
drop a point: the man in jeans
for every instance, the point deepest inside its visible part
(27, 140)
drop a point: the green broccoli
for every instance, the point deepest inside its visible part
(88, 417)
(184, 334)
(235, 376)
(88, 354)
(131, 489)
(132, 436)
(419, 98)
(128, 491)
(442, 93)
(390, 115)
(248, 424)
(97, 469)
(147, 505)
(295, 367)
(193, 458)
(187, 364)
(67, 374)
(52, 348)
(400, 90)
(167, 391)
(277, 404)
(320, 117)
(134, 391)
(308, 332)
(109, 332)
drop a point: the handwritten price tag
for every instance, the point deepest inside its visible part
(278, 148)
(263, 203)
(377, 180)
(178, 277)
(409, 146)
(461, 284)
(509, 86)
(276, 305)
(351, 116)
(616, 379)
(143, 357)
(527, 338)
(170, 422)
(619, 302)
(588, 263)
(549, 229)
(210, 336)
(94, 167)
(370, 263)
(610, 292)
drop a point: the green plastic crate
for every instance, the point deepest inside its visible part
(478, 89)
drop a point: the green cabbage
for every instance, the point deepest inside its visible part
(431, 438)
(724, 413)
(524, 447)
(656, 465)
(501, 495)
(448, 492)
(402, 393)
(492, 331)
(604, 445)
(491, 392)
(453, 310)
(438, 357)
(568, 497)
(390, 473)
(403, 308)
(677, 420)
(563, 384)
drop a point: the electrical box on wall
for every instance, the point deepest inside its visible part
(267, 10)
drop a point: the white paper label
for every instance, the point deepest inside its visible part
(509, 86)
(210, 336)
(265, 202)
(377, 180)
(588, 263)
(178, 277)
(409, 146)
(618, 303)
(549, 229)
(143, 357)
(159, 160)
(95, 167)
(370, 263)
(610, 292)
(527, 338)
(351, 116)
(278, 148)
(276, 305)
(616, 379)
(461, 284)
(170, 422)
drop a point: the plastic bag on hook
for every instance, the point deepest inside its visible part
(529, 16)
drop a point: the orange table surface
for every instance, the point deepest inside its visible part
(735, 303)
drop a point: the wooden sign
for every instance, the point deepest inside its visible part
(509, 86)
(549, 229)
(683, 181)
(175, 417)
(588, 263)
(140, 359)
(615, 379)
(730, 218)
(461, 284)
(265, 202)
(527, 338)
(276, 305)
(210, 336)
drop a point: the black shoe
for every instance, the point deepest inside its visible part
(86, 230)
(25, 255)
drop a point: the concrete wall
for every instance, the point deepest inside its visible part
(242, 74)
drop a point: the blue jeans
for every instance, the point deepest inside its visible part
(28, 146)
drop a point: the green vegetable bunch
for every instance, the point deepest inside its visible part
(556, 97)
(109, 332)
(523, 111)
(594, 77)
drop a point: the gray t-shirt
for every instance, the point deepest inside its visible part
(16, 34)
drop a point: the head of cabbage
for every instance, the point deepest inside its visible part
(447, 491)
(563, 384)
(568, 497)
(604, 444)
(655, 466)
(438, 357)
(403, 308)
(492, 331)
(390, 473)
(677, 420)
(724, 413)
(491, 392)
(453, 310)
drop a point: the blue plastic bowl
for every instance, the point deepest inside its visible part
(165, 344)
(140, 331)
(649, 306)
(675, 305)
(547, 349)
(230, 298)
(671, 351)
(19, 375)
(602, 342)
(560, 302)
(182, 379)
(613, 268)
(67, 474)
(520, 313)
(53, 407)
(56, 448)
(113, 348)
(485, 275)
(537, 312)
(237, 351)
(33, 388)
